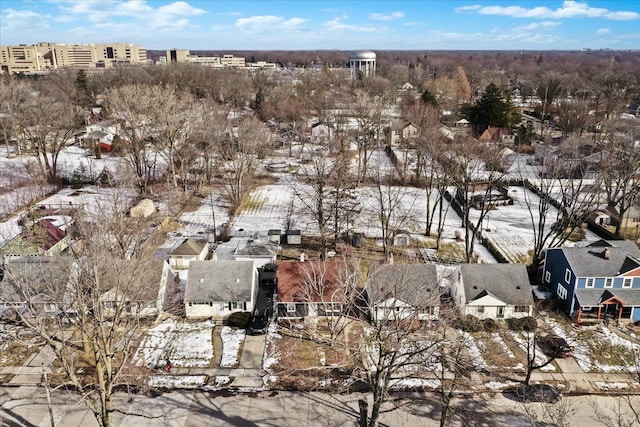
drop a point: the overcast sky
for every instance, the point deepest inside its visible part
(316, 24)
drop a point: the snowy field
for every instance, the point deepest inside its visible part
(510, 227)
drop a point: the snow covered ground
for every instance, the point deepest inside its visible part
(231, 342)
(511, 227)
(185, 344)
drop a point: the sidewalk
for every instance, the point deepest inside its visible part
(250, 375)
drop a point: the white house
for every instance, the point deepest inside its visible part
(215, 289)
(493, 291)
(321, 133)
(146, 301)
(404, 291)
(189, 250)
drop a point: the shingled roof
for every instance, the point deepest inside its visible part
(415, 284)
(507, 282)
(219, 281)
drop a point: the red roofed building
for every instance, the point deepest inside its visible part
(315, 289)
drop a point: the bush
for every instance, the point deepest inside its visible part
(489, 325)
(527, 324)
(239, 319)
(468, 323)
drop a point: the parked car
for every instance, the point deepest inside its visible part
(554, 346)
(538, 393)
(259, 322)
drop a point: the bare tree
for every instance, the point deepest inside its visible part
(134, 106)
(620, 165)
(87, 308)
(369, 113)
(245, 144)
(332, 287)
(13, 94)
(396, 343)
(46, 124)
(557, 209)
(393, 209)
(475, 170)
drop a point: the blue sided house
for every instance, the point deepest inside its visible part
(601, 280)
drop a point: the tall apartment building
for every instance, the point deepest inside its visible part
(47, 56)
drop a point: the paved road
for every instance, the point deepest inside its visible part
(26, 406)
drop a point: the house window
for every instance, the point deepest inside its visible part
(547, 276)
(521, 309)
(291, 308)
(236, 306)
(222, 306)
(481, 309)
(51, 307)
(562, 292)
(608, 282)
(589, 283)
(626, 283)
(108, 304)
(567, 276)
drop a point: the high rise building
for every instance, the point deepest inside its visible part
(47, 56)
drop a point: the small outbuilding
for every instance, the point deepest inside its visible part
(294, 237)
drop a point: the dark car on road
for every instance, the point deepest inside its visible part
(554, 346)
(259, 322)
(537, 393)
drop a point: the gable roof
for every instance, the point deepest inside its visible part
(258, 248)
(589, 261)
(629, 246)
(415, 284)
(294, 278)
(507, 282)
(189, 247)
(135, 280)
(35, 275)
(219, 281)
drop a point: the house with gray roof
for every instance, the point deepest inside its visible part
(493, 291)
(215, 289)
(599, 280)
(187, 251)
(404, 291)
(260, 251)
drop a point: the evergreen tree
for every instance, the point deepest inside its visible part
(491, 110)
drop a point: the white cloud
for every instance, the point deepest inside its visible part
(387, 17)
(412, 23)
(569, 9)
(603, 31)
(269, 23)
(337, 24)
(17, 20)
(538, 26)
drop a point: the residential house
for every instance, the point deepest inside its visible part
(189, 250)
(261, 252)
(496, 134)
(311, 289)
(601, 279)
(404, 291)
(321, 133)
(102, 133)
(43, 237)
(137, 287)
(493, 291)
(400, 131)
(33, 283)
(216, 289)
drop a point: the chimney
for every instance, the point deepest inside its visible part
(606, 254)
(214, 256)
(302, 256)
